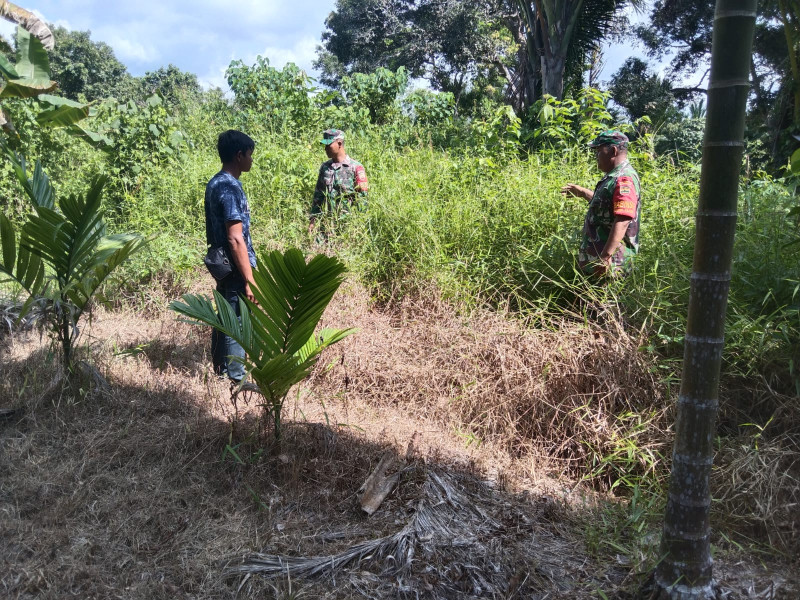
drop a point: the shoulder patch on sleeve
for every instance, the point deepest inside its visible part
(625, 198)
(361, 183)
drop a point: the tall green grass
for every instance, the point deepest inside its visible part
(482, 228)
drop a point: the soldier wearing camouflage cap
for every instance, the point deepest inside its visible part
(611, 227)
(342, 181)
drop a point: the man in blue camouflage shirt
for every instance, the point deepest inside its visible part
(228, 226)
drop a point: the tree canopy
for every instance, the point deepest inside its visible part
(452, 44)
(682, 29)
(529, 48)
(83, 67)
(172, 83)
(641, 92)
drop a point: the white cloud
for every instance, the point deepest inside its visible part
(199, 36)
(302, 53)
(127, 50)
(62, 23)
(214, 78)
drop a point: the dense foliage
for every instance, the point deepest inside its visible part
(466, 203)
(481, 219)
(531, 48)
(86, 69)
(682, 29)
(470, 204)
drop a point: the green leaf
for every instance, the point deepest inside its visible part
(27, 88)
(62, 115)
(7, 69)
(795, 162)
(277, 333)
(175, 139)
(9, 244)
(61, 112)
(39, 189)
(32, 60)
(93, 138)
(57, 101)
(31, 75)
(29, 270)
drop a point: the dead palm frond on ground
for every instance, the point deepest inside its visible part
(456, 541)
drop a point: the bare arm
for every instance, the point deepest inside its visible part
(575, 191)
(618, 229)
(239, 255)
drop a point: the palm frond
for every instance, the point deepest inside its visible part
(326, 337)
(102, 263)
(595, 22)
(38, 188)
(294, 294)
(75, 244)
(198, 309)
(62, 257)
(277, 332)
(21, 266)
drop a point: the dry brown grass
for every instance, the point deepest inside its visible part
(129, 493)
(564, 395)
(757, 490)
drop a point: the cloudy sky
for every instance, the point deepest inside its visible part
(203, 36)
(200, 36)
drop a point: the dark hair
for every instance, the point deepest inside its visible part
(230, 142)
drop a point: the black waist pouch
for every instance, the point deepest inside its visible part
(218, 263)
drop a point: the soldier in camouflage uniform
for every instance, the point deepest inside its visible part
(342, 181)
(611, 227)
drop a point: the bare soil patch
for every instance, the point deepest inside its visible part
(161, 488)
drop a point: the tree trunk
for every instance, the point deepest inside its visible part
(522, 25)
(553, 74)
(685, 572)
(556, 20)
(790, 13)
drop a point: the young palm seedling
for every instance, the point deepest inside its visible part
(62, 254)
(277, 332)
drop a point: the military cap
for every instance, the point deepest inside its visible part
(331, 135)
(610, 137)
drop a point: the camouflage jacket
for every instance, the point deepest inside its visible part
(340, 185)
(617, 194)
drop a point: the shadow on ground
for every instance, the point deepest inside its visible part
(148, 490)
(142, 492)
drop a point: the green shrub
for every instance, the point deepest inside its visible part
(282, 97)
(377, 92)
(141, 138)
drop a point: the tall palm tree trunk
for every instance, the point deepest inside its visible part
(789, 11)
(685, 571)
(557, 20)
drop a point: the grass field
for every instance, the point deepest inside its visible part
(477, 339)
(157, 486)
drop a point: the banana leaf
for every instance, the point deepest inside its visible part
(60, 112)
(32, 69)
